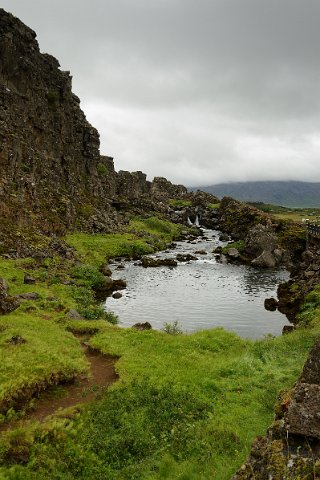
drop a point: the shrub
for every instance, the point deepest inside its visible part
(102, 169)
(172, 328)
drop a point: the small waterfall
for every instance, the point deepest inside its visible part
(196, 222)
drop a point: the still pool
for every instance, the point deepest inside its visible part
(200, 294)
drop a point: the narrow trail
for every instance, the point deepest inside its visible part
(84, 390)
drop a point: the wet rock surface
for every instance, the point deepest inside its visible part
(147, 262)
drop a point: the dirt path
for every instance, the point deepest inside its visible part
(83, 391)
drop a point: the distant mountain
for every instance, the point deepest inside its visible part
(287, 194)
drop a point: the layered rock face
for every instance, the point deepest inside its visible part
(51, 169)
(53, 177)
(290, 450)
(269, 242)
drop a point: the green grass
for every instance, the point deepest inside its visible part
(239, 245)
(186, 406)
(175, 202)
(48, 356)
(96, 249)
(285, 213)
(144, 236)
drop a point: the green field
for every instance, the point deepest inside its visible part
(304, 215)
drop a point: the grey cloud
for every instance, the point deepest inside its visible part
(205, 90)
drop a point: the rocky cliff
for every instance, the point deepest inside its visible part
(53, 177)
(268, 241)
(290, 450)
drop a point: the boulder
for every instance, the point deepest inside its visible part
(261, 238)
(158, 262)
(105, 270)
(142, 326)
(224, 237)
(28, 280)
(74, 314)
(233, 253)
(270, 304)
(117, 295)
(265, 260)
(119, 284)
(8, 304)
(185, 257)
(3, 288)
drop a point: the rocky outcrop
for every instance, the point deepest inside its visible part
(7, 303)
(52, 174)
(53, 178)
(304, 277)
(269, 242)
(291, 448)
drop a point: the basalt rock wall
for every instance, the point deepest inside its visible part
(53, 177)
(268, 241)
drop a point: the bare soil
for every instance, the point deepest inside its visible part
(83, 390)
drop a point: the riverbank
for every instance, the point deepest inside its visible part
(183, 406)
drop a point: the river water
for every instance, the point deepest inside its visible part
(199, 294)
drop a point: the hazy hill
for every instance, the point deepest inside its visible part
(288, 194)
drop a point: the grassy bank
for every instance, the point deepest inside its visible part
(142, 236)
(36, 347)
(185, 407)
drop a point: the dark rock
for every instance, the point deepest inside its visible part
(185, 257)
(158, 262)
(8, 304)
(270, 304)
(3, 288)
(311, 369)
(121, 267)
(303, 416)
(290, 450)
(28, 280)
(28, 296)
(117, 295)
(224, 237)
(105, 270)
(17, 340)
(287, 329)
(119, 284)
(142, 326)
(222, 259)
(201, 252)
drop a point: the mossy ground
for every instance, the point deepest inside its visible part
(186, 406)
(142, 236)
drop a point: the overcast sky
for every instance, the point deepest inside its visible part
(198, 91)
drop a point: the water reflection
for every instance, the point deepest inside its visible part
(200, 294)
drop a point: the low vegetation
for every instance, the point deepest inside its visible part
(143, 236)
(304, 215)
(185, 406)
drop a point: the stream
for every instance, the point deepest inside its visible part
(199, 294)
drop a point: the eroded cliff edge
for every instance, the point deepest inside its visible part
(53, 177)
